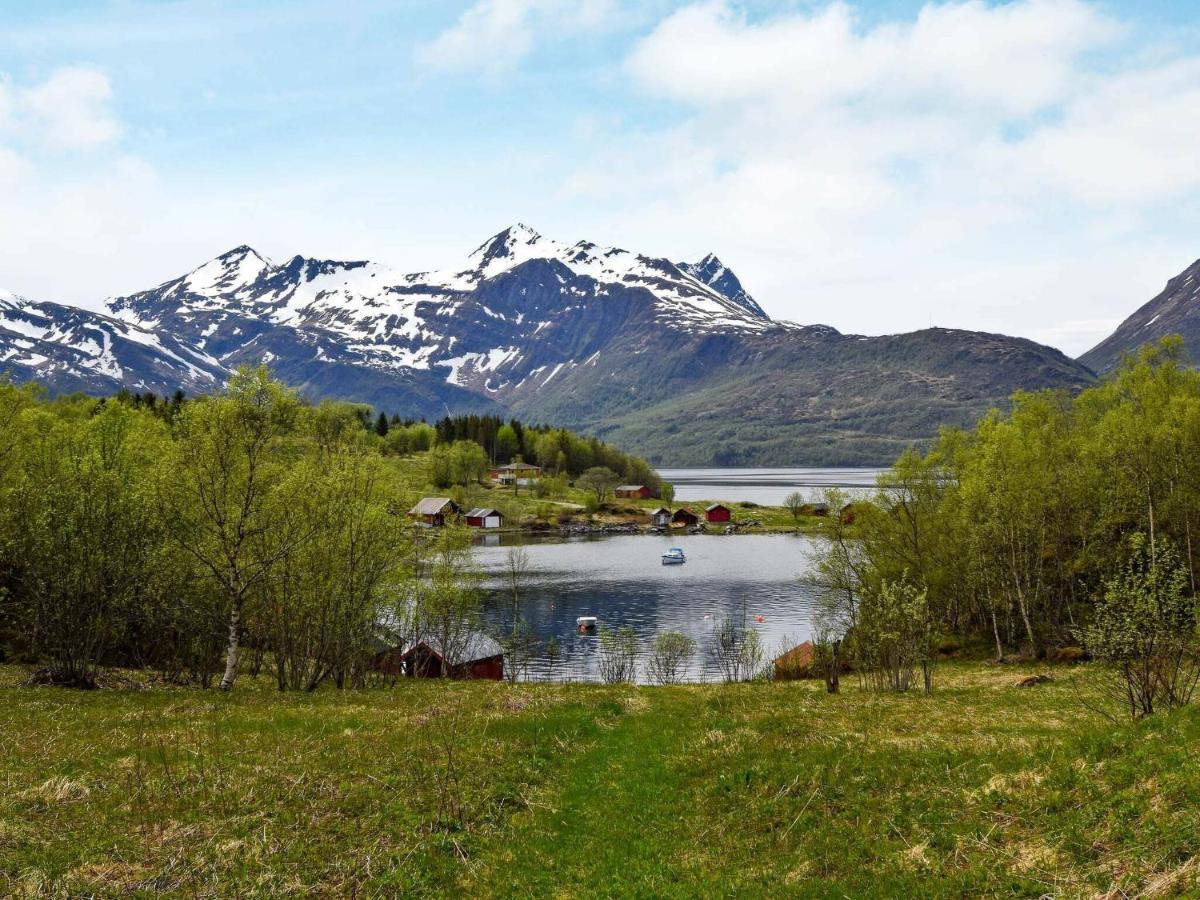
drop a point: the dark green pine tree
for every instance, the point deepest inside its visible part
(381, 425)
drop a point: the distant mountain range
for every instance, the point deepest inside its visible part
(672, 360)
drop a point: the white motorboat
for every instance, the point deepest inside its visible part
(674, 557)
(586, 623)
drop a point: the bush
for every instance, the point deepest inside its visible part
(1144, 630)
(672, 652)
(618, 655)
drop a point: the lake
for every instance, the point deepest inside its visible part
(622, 581)
(767, 487)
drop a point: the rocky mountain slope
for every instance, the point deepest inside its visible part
(1174, 311)
(674, 360)
(72, 349)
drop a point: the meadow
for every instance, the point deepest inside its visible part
(486, 789)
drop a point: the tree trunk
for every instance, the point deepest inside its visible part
(835, 666)
(231, 650)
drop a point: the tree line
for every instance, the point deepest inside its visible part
(207, 537)
(1066, 525)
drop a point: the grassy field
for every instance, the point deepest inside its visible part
(490, 790)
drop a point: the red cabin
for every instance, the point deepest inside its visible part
(485, 517)
(718, 512)
(434, 511)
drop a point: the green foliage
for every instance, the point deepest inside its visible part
(672, 652)
(794, 503)
(599, 481)
(508, 444)
(1011, 527)
(1144, 629)
(617, 654)
(893, 635)
(461, 463)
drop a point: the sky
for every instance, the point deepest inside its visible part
(1029, 167)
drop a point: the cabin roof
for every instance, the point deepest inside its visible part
(661, 509)
(630, 487)
(470, 648)
(431, 506)
(716, 506)
(518, 467)
(483, 512)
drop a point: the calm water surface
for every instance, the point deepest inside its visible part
(765, 486)
(622, 581)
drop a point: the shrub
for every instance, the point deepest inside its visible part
(1144, 630)
(672, 652)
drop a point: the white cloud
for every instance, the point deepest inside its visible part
(70, 110)
(493, 36)
(960, 167)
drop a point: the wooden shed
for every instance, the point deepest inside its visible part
(485, 517)
(434, 511)
(718, 512)
(661, 517)
(479, 656)
(684, 516)
(632, 492)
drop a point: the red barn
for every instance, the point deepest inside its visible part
(633, 491)
(718, 512)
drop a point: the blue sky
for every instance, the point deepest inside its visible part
(1026, 167)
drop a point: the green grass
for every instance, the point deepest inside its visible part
(490, 790)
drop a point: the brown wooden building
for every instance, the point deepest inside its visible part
(684, 516)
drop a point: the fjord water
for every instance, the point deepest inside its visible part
(766, 487)
(622, 581)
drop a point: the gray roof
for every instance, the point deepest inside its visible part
(431, 506)
(715, 506)
(661, 509)
(518, 467)
(483, 512)
(630, 487)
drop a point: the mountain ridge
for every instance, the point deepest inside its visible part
(585, 336)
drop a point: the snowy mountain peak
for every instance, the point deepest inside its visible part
(716, 275)
(510, 245)
(227, 273)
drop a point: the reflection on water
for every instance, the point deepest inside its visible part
(765, 486)
(622, 581)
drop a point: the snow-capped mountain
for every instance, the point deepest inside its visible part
(475, 324)
(676, 360)
(76, 350)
